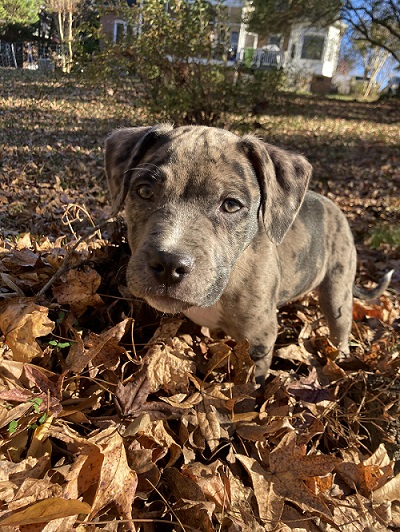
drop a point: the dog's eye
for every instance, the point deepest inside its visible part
(231, 205)
(145, 192)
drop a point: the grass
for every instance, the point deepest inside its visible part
(389, 235)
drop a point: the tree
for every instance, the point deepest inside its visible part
(22, 12)
(64, 12)
(373, 57)
(276, 16)
(375, 21)
(175, 54)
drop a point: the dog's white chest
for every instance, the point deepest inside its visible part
(205, 316)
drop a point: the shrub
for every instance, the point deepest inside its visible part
(175, 55)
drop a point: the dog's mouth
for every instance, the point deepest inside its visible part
(167, 304)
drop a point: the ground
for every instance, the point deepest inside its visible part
(115, 419)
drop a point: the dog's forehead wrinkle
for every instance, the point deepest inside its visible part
(148, 170)
(193, 178)
(206, 141)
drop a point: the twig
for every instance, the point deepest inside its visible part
(64, 267)
(77, 209)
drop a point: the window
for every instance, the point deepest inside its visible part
(234, 38)
(120, 28)
(233, 47)
(275, 39)
(313, 47)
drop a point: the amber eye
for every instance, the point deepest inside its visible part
(231, 205)
(145, 192)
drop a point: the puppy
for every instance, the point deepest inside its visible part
(223, 229)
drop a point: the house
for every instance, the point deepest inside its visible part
(304, 49)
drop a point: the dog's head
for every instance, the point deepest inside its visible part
(195, 197)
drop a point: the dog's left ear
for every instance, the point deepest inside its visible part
(283, 178)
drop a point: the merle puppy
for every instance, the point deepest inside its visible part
(223, 229)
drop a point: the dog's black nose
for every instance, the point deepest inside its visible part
(170, 268)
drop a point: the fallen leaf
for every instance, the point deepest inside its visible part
(212, 481)
(289, 468)
(388, 492)
(22, 321)
(355, 514)
(78, 288)
(269, 502)
(103, 473)
(167, 367)
(209, 424)
(46, 510)
(196, 514)
(101, 349)
(366, 475)
(150, 432)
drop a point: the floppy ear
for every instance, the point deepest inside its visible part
(124, 149)
(283, 178)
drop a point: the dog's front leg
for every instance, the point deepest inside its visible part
(262, 357)
(261, 330)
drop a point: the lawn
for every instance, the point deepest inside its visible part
(114, 417)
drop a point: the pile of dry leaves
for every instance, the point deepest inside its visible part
(112, 419)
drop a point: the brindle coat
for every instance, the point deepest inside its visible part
(222, 228)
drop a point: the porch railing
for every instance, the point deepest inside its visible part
(260, 58)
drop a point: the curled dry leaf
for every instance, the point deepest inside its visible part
(183, 486)
(295, 352)
(258, 432)
(384, 312)
(168, 329)
(212, 481)
(77, 288)
(102, 349)
(182, 401)
(150, 432)
(289, 468)
(388, 492)
(31, 491)
(355, 514)
(365, 475)
(30, 467)
(7, 415)
(143, 462)
(21, 322)
(209, 424)
(242, 364)
(168, 367)
(269, 502)
(195, 514)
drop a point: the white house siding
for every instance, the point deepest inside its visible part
(332, 51)
(323, 66)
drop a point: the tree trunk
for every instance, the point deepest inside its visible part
(379, 63)
(69, 42)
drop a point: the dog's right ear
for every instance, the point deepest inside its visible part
(124, 149)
